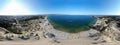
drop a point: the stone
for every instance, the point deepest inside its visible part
(107, 28)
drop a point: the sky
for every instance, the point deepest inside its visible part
(79, 7)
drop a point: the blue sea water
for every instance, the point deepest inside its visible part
(71, 23)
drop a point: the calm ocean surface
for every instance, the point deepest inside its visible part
(71, 23)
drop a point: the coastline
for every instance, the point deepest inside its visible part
(50, 36)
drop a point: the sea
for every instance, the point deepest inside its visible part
(71, 23)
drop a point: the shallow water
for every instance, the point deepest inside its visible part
(71, 23)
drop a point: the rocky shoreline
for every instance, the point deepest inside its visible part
(33, 29)
(106, 29)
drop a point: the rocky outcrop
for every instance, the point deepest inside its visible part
(25, 28)
(107, 29)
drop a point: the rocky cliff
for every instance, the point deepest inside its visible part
(107, 29)
(24, 28)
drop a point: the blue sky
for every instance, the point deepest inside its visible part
(70, 6)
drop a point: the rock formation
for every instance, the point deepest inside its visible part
(24, 27)
(107, 29)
